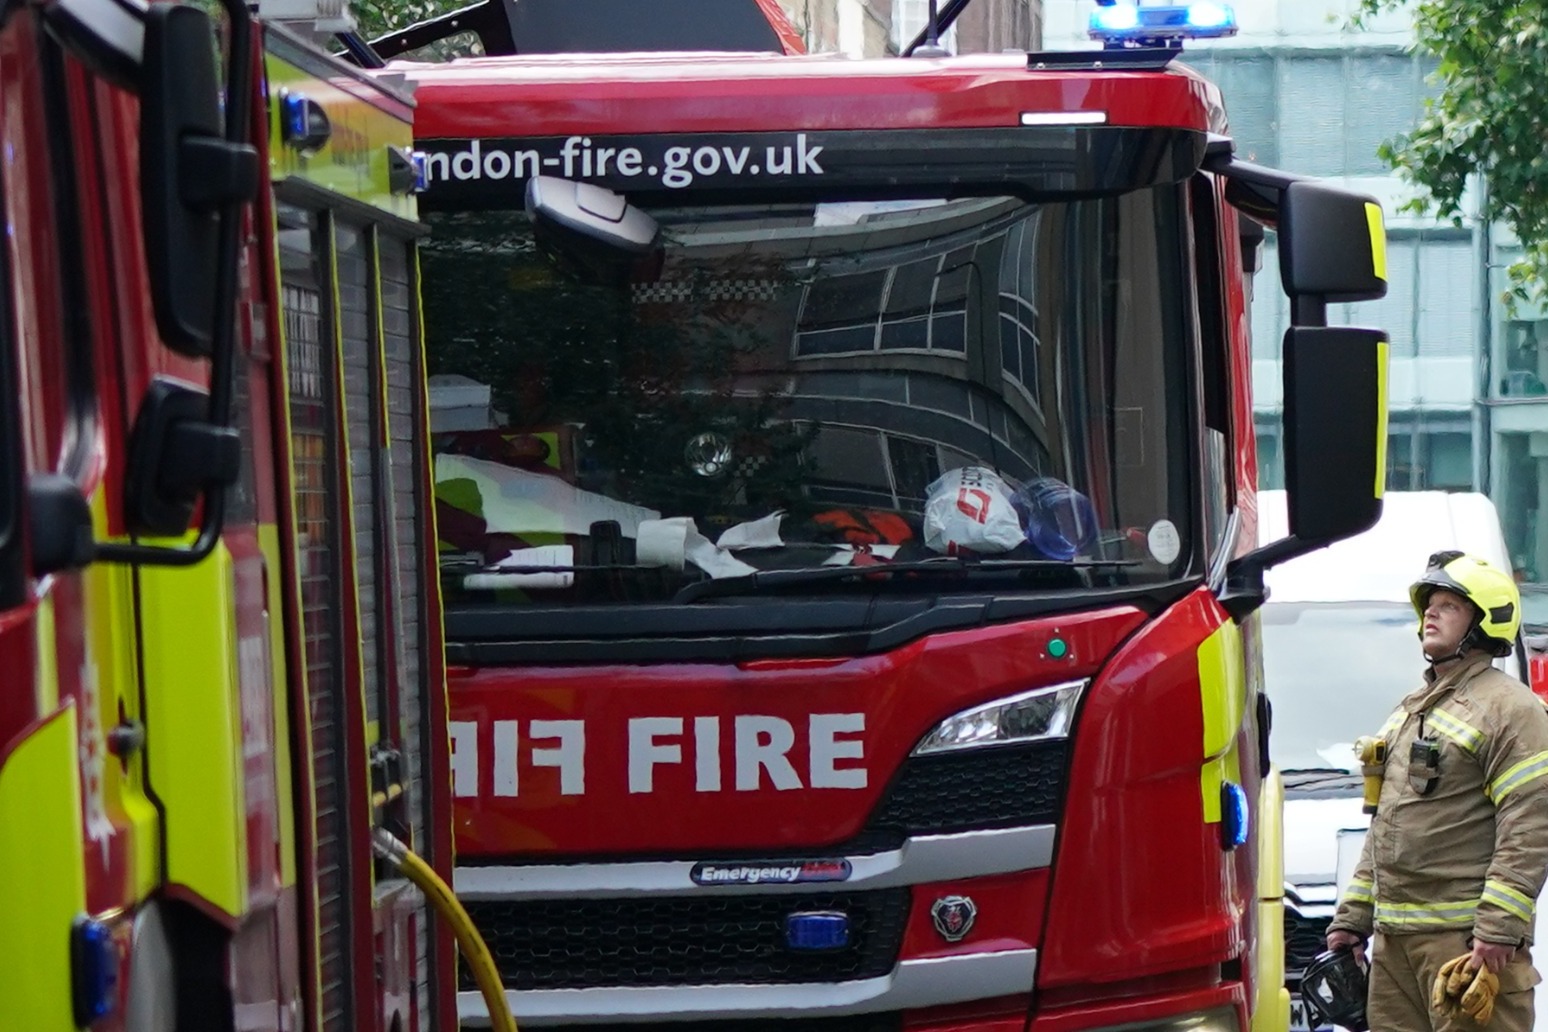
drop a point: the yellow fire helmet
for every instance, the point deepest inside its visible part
(1491, 590)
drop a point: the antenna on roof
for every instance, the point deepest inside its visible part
(931, 47)
(930, 36)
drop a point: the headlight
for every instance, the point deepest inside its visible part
(1031, 716)
(1222, 1019)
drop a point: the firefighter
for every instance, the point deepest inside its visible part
(1458, 849)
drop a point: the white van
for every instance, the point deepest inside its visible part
(1340, 649)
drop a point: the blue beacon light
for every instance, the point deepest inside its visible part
(1235, 819)
(1165, 25)
(819, 930)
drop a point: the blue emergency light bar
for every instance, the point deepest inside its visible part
(1130, 24)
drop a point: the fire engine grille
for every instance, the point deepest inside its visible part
(1303, 939)
(1003, 787)
(683, 940)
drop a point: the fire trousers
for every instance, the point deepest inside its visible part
(1403, 969)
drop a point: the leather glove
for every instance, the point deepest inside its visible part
(1441, 999)
(1478, 1001)
(1460, 978)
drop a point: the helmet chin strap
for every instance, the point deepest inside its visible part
(1470, 638)
(1458, 654)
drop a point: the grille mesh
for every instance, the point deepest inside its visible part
(709, 939)
(720, 938)
(975, 789)
(1303, 939)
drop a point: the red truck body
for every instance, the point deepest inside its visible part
(890, 784)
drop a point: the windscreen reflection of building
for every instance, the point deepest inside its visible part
(846, 354)
(906, 334)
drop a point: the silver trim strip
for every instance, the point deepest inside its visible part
(924, 858)
(913, 983)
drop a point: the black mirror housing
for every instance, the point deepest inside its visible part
(1335, 451)
(59, 524)
(1335, 430)
(1332, 243)
(187, 171)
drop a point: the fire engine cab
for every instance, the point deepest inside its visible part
(845, 519)
(845, 487)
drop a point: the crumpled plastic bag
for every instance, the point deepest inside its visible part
(969, 509)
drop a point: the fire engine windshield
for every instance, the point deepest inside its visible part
(996, 385)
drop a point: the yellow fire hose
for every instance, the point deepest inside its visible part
(446, 904)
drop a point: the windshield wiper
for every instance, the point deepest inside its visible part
(774, 579)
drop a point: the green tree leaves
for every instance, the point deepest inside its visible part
(378, 17)
(1488, 118)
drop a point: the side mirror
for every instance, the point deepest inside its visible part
(1332, 241)
(1335, 446)
(1335, 436)
(591, 231)
(1332, 244)
(187, 173)
(175, 455)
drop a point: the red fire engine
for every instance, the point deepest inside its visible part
(222, 708)
(845, 497)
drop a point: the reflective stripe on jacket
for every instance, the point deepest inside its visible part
(1471, 851)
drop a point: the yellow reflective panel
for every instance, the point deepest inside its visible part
(1223, 702)
(1271, 1008)
(41, 870)
(1271, 842)
(191, 699)
(46, 690)
(284, 784)
(110, 685)
(1222, 687)
(1378, 229)
(363, 121)
(1382, 350)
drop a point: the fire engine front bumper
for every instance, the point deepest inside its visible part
(642, 942)
(911, 984)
